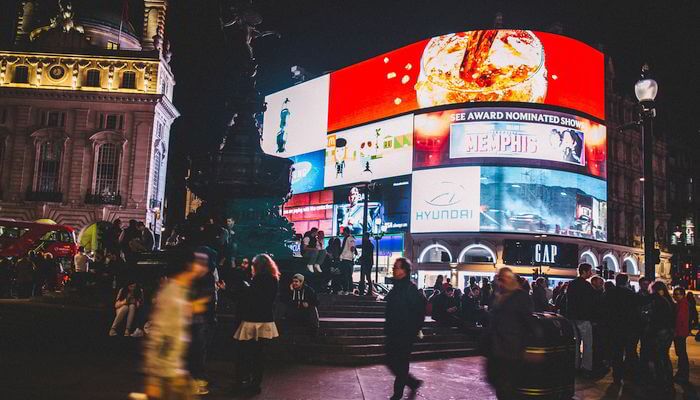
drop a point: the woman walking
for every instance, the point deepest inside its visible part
(257, 323)
(661, 332)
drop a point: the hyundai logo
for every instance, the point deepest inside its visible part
(450, 194)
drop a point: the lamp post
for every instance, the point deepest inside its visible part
(379, 230)
(646, 89)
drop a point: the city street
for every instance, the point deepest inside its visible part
(108, 369)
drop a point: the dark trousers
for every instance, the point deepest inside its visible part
(250, 365)
(398, 354)
(202, 335)
(346, 267)
(366, 275)
(619, 354)
(680, 345)
(663, 368)
(503, 375)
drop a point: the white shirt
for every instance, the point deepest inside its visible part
(348, 254)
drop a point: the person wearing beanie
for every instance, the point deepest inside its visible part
(301, 304)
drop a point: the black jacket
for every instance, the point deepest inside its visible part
(662, 315)
(257, 300)
(620, 310)
(509, 326)
(539, 299)
(440, 305)
(293, 298)
(405, 310)
(580, 299)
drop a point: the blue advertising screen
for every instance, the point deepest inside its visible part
(307, 172)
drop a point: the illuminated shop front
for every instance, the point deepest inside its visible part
(478, 149)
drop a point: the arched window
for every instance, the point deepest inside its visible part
(48, 167)
(92, 78)
(107, 171)
(435, 253)
(477, 253)
(129, 80)
(21, 74)
(590, 258)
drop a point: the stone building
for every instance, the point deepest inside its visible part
(85, 114)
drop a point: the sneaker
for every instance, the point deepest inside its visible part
(137, 333)
(318, 268)
(201, 387)
(112, 332)
(310, 268)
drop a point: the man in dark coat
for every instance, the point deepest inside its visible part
(509, 327)
(446, 308)
(301, 304)
(405, 314)
(580, 300)
(619, 309)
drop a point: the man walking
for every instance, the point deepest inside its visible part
(405, 314)
(681, 334)
(366, 264)
(347, 261)
(580, 298)
(620, 309)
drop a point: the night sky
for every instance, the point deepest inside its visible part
(324, 35)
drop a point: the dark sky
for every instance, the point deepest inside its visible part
(324, 35)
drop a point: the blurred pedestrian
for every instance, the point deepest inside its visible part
(148, 240)
(619, 313)
(257, 326)
(405, 315)
(508, 330)
(167, 377)
(439, 281)
(334, 249)
(309, 248)
(693, 310)
(539, 295)
(446, 308)
(580, 298)
(128, 301)
(643, 298)
(204, 292)
(366, 264)
(661, 332)
(681, 334)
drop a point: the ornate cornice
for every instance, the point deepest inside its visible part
(70, 95)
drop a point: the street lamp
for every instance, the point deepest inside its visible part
(379, 231)
(646, 89)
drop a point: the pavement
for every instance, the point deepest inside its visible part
(81, 366)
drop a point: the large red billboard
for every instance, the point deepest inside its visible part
(474, 66)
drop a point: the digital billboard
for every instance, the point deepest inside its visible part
(310, 210)
(476, 66)
(389, 204)
(307, 172)
(374, 151)
(296, 119)
(510, 136)
(508, 199)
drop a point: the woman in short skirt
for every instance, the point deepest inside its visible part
(257, 326)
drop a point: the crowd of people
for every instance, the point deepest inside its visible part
(448, 306)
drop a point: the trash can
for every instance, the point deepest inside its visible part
(548, 370)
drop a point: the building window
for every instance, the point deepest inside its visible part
(107, 172)
(54, 119)
(112, 46)
(129, 80)
(48, 165)
(112, 121)
(21, 74)
(92, 79)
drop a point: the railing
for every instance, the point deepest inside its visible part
(104, 198)
(51, 197)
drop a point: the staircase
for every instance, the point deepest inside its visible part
(352, 333)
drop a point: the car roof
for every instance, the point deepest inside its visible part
(29, 224)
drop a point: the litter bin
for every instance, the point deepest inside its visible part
(548, 370)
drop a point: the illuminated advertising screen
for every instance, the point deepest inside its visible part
(374, 151)
(310, 210)
(477, 66)
(508, 199)
(388, 207)
(307, 172)
(296, 119)
(510, 136)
